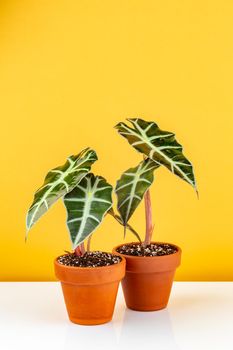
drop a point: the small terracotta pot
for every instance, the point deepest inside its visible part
(148, 280)
(90, 292)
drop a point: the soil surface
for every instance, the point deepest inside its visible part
(152, 249)
(89, 259)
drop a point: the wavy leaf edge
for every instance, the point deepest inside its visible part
(159, 145)
(78, 165)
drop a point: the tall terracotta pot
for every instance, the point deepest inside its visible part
(148, 280)
(90, 293)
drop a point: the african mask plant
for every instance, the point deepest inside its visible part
(159, 148)
(87, 198)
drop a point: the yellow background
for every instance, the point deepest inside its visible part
(69, 71)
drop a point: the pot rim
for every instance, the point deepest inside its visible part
(179, 251)
(78, 268)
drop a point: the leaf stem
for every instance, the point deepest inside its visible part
(82, 246)
(148, 216)
(128, 226)
(89, 243)
(80, 249)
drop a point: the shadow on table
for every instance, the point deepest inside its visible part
(97, 337)
(90, 337)
(141, 328)
(129, 329)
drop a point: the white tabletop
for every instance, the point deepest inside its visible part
(199, 316)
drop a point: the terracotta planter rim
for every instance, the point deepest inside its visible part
(179, 251)
(86, 269)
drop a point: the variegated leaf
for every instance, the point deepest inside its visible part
(132, 186)
(160, 146)
(58, 182)
(86, 206)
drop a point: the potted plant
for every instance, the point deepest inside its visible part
(150, 266)
(89, 279)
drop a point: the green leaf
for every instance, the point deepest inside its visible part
(160, 146)
(119, 219)
(86, 206)
(58, 182)
(132, 186)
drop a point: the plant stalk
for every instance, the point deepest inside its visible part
(148, 216)
(89, 243)
(80, 250)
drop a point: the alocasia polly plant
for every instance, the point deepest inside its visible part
(159, 148)
(58, 182)
(87, 198)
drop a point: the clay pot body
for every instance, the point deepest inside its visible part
(148, 280)
(90, 293)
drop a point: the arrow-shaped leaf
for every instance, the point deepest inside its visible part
(58, 182)
(86, 206)
(132, 186)
(160, 146)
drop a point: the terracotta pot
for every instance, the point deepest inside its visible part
(90, 293)
(148, 280)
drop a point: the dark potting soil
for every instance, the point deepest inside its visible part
(89, 259)
(152, 249)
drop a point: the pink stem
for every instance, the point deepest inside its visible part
(89, 243)
(148, 214)
(80, 250)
